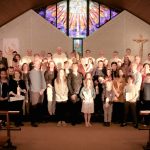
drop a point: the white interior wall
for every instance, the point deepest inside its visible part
(118, 34)
(34, 32)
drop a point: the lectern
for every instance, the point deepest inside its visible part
(7, 140)
(146, 113)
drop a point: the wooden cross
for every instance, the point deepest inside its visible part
(141, 41)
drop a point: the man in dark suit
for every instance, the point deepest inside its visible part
(74, 85)
(3, 60)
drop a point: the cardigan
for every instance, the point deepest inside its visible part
(86, 95)
(37, 81)
(61, 91)
(74, 83)
(13, 84)
(131, 93)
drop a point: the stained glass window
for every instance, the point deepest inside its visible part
(93, 16)
(104, 14)
(77, 18)
(113, 13)
(77, 24)
(78, 45)
(41, 12)
(50, 14)
(62, 16)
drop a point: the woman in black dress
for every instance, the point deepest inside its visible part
(17, 91)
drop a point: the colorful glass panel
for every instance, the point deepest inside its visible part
(78, 45)
(41, 12)
(93, 16)
(104, 14)
(77, 18)
(113, 13)
(62, 16)
(50, 14)
(98, 15)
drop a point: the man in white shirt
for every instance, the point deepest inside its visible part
(28, 58)
(59, 58)
(137, 60)
(115, 57)
(87, 56)
(129, 55)
(137, 76)
(137, 82)
(101, 56)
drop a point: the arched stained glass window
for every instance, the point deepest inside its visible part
(104, 14)
(77, 18)
(50, 14)
(113, 13)
(62, 16)
(93, 17)
(41, 12)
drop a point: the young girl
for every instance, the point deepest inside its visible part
(107, 98)
(87, 95)
(90, 66)
(61, 96)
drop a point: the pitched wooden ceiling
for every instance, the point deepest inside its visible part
(10, 9)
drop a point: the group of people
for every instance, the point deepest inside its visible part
(75, 84)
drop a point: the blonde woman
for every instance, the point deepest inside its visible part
(87, 95)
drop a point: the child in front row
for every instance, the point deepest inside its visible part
(87, 95)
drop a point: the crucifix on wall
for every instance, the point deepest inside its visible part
(141, 41)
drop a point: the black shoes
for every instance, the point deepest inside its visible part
(107, 124)
(123, 124)
(135, 125)
(34, 125)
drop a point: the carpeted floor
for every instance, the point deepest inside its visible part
(50, 137)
